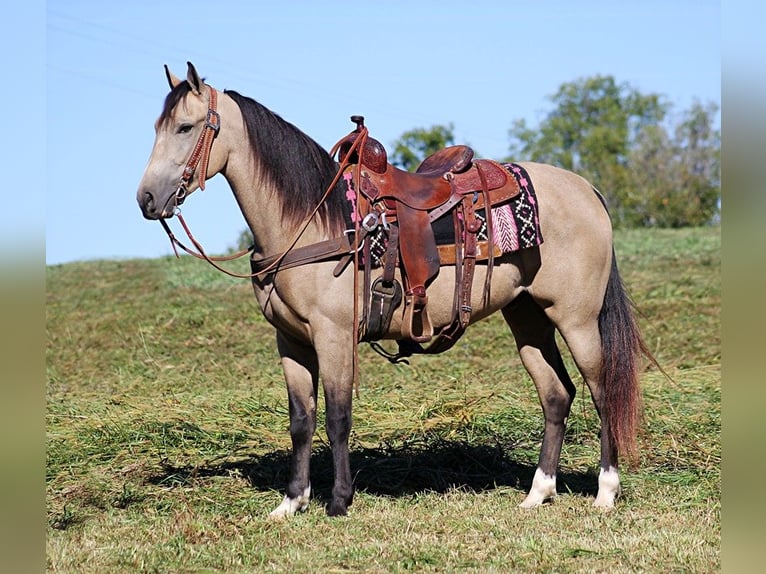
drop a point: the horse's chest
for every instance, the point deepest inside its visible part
(277, 310)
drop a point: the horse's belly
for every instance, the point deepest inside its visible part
(506, 283)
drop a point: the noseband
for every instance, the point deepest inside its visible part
(200, 156)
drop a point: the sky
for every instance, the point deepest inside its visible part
(402, 64)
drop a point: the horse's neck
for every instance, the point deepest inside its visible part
(262, 210)
(259, 201)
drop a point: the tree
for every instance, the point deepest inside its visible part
(591, 130)
(651, 173)
(417, 144)
(675, 178)
(244, 241)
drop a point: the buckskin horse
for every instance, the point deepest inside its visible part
(293, 197)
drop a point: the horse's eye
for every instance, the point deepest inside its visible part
(184, 128)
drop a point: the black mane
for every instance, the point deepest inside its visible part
(298, 167)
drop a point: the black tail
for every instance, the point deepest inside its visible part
(621, 350)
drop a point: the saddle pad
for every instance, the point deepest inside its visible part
(516, 224)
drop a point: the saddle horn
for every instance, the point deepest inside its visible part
(373, 153)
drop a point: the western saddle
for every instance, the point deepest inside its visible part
(448, 181)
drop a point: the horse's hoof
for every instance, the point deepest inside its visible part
(608, 488)
(543, 490)
(337, 509)
(534, 502)
(290, 506)
(603, 504)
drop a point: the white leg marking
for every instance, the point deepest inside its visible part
(290, 506)
(608, 488)
(543, 488)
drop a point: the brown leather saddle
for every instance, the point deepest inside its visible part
(450, 180)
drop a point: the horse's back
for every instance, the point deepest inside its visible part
(567, 202)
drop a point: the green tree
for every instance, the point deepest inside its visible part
(244, 241)
(417, 144)
(674, 178)
(591, 130)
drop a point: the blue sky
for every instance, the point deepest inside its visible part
(401, 64)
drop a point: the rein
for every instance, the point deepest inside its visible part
(200, 157)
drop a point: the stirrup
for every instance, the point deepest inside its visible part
(385, 297)
(416, 324)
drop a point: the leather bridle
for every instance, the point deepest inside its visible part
(200, 156)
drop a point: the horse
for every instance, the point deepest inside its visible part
(288, 190)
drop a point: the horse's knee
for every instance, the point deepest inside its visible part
(302, 423)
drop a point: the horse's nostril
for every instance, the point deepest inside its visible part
(148, 200)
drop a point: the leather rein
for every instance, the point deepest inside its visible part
(290, 257)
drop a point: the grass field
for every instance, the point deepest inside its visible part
(167, 439)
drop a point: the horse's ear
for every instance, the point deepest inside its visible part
(173, 80)
(193, 78)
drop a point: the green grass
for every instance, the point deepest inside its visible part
(167, 439)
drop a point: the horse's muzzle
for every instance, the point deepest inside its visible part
(153, 209)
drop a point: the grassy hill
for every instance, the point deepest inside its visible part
(167, 440)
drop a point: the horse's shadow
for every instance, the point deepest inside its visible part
(390, 471)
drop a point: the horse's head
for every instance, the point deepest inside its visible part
(183, 155)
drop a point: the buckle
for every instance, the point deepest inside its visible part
(181, 192)
(213, 120)
(370, 221)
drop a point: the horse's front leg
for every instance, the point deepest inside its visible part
(335, 353)
(301, 370)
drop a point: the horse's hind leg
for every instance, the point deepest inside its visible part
(584, 342)
(535, 339)
(300, 367)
